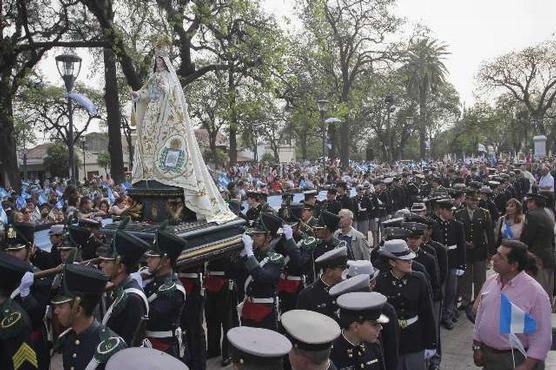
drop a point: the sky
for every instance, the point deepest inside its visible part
(474, 30)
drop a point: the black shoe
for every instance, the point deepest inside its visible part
(226, 361)
(455, 318)
(447, 324)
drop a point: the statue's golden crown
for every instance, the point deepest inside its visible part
(162, 47)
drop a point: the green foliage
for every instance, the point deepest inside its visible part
(56, 160)
(268, 158)
(103, 160)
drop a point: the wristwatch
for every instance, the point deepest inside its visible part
(476, 347)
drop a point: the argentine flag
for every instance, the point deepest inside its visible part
(513, 319)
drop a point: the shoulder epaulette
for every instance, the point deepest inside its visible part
(12, 321)
(275, 258)
(108, 347)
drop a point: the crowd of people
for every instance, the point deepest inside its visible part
(363, 278)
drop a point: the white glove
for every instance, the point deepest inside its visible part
(25, 284)
(137, 277)
(429, 353)
(288, 232)
(459, 272)
(247, 245)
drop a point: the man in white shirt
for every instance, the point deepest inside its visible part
(546, 186)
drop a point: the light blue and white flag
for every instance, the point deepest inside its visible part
(3, 215)
(20, 202)
(513, 319)
(83, 101)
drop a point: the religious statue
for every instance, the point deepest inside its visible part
(166, 149)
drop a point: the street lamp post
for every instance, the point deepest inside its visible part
(321, 103)
(24, 160)
(69, 66)
(84, 169)
(389, 100)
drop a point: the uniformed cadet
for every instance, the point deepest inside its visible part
(361, 319)
(262, 267)
(165, 294)
(308, 220)
(450, 233)
(32, 295)
(142, 358)
(220, 307)
(16, 348)
(254, 203)
(129, 309)
(296, 257)
(328, 223)
(311, 335)
(343, 196)
(95, 239)
(316, 297)
(409, 293)
(331, 204)
(479, 246)
(362, 207)
(310, 198)
(361, 277)
(45, 260)
(192, 317)
(257, 348)
(80, 237)
(87, 344)
(415, 243)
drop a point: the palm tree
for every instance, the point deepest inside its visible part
(425, 73)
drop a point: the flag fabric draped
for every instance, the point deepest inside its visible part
(513, 319)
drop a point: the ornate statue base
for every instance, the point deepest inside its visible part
(155, 202)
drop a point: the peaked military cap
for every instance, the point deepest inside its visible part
(166, 244)
(310, 330)
(295, 211)
(142, 358)
(12, 270)
(418, 207)
(257, 346)
(415, 228)
(333, 258)
(397, 249)
(58, 229)
(360, 267)
(393, 222)
(310, 193)
(445, 203)
(235, 206)
(266, 223)
(78, 236)
(89, 222)
(389, 233)
(537, 197)
(81, 281)
(125, 247)
(329, 220)
(359, 306)
(358, 283)
(17, 236)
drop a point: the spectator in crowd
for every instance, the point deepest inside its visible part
(491, 349)
(510, 225)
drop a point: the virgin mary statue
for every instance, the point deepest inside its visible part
(166, 148)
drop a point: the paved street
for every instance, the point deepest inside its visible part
(456, 348)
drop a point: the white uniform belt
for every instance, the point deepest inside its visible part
(188, 275)
(453, 246)
(159, 334)
(405, 323)
(261, 300)
(216, 273)
(290, 277)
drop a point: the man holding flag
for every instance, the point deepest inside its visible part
(512, 327)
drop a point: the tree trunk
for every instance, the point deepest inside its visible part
(232, 150)
(344, 141)
(212, 145)
(422, 123)
(9, 172)
(113, 117)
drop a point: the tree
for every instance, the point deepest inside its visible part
(56, 160)
(349, 39)
(103, 160)
(426, 72)
(529, 75)
(28, 29)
